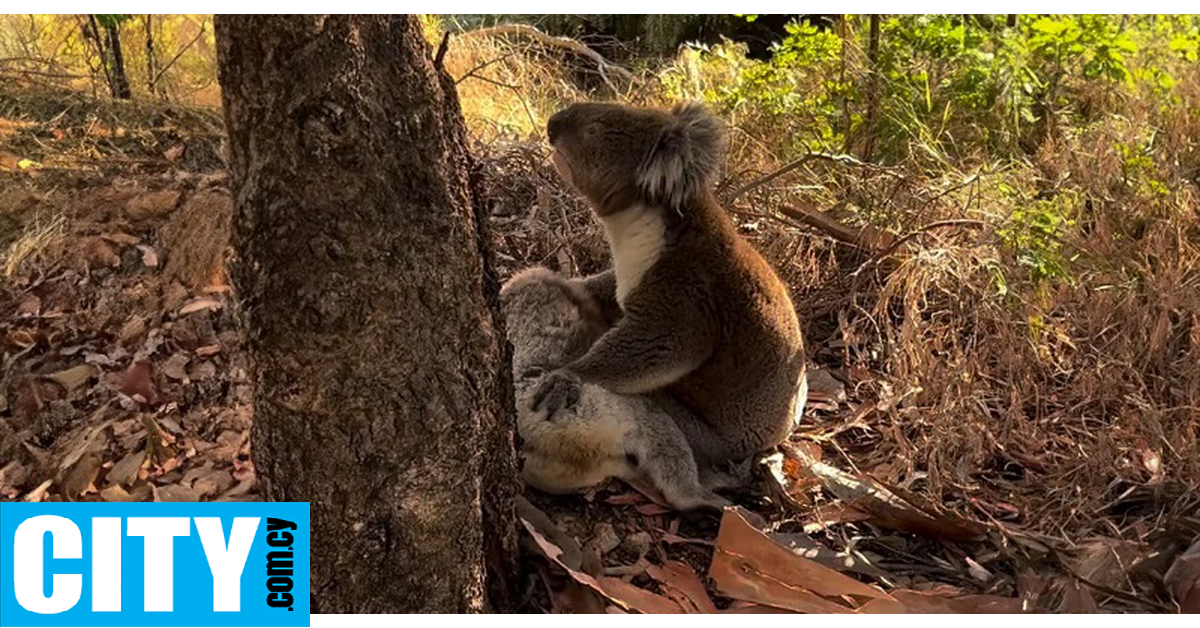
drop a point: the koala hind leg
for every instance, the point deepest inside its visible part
(662, 454)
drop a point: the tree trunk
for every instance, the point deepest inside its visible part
(151, 61)
(381, 374)
(120, 83)
(873, 86)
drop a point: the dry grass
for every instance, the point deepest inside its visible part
(39, 237)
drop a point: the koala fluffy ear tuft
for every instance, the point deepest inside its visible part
(685, 157)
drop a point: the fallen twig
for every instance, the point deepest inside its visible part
(521, 30)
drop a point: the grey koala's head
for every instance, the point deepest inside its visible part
(549, 320)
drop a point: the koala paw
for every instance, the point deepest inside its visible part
(557, 391)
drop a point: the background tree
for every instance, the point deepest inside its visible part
(106, 33)
(379, 363)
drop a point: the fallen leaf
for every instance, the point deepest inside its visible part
(81, 476)
(943, 600)
(199, 304)
(889, 509)
(682, 585)
(208, 350)
(126, 469)
(12, 475)
(132, 330)
(749, 608)
(571, 551)
(137, 381)
(825, 389)
(176, 366)
(22, 339)
(1106, 561)
(616, 590)
(978, 571)
(832, 514)
(175, 493)
(634, 598)
(652, 509)
(243, 471)
(1077, 599)
(73, 378)
(747, 565)
(115, 493)
(853, 562)
(625, 499)
(175, 152)
(30, 306)
(201, 371)
(212, 483)
(1183, 579)
(39, 493)
(96, 253)
(152, 205)
(149, 256)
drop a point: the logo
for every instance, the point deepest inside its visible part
(154, 564)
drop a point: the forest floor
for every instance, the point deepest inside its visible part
(124, 379)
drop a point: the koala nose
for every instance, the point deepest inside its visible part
(556, 125)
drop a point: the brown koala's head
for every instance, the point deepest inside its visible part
(617, 156)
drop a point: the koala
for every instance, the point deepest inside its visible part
(597, 434)
(699, 313)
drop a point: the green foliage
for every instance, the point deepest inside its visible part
(942, 85)
(111, 20)
(1091, 45)
(1034, 234)
(1140, 173)
(798, 83)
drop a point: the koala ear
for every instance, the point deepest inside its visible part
(685, 156)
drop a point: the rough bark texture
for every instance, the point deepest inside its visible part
(120, 83)
(380, 369)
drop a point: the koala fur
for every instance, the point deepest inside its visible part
(600, 434)
(700, 314)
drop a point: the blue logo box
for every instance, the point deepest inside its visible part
(154, 564)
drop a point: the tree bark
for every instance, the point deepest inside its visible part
(873, 86)
(120, 82)
(382, 385)
(151, 61)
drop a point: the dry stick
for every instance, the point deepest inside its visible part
(100, 48)
(178, 54)
(28, 60)
(522, 30)
(472, 72)
(440, 57)
(25, 72)
(147, 21)
(847, 160)
(952, 222)
(864, 238)
(520, 97)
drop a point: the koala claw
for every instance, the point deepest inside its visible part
(556, 392)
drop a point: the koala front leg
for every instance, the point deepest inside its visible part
(652, 347)
(603, 288)
(641, 354)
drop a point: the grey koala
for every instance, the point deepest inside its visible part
(597, 434)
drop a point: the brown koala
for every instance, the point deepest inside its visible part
(701, 313)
